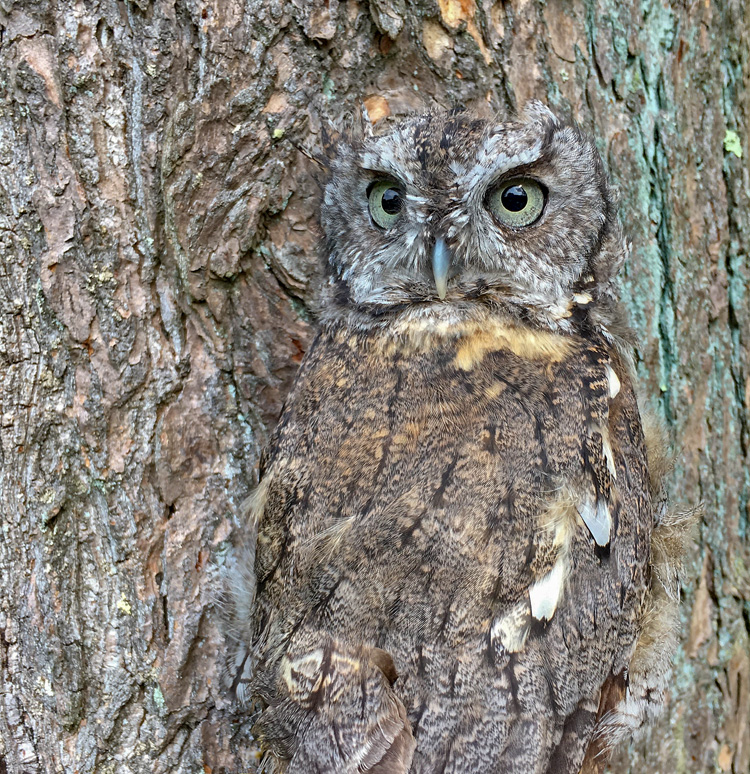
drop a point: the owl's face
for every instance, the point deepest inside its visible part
(447, 209)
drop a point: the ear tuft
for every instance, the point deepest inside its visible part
(537, 112)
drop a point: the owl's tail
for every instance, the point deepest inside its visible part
(332, 709)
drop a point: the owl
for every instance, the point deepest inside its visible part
(462, 557)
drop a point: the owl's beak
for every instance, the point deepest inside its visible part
(441, 262)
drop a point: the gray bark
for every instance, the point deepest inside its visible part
(158, 267)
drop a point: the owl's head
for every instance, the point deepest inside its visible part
(446, 210)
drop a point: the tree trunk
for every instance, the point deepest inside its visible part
(157, 234)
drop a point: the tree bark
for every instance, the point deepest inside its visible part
(157, 283)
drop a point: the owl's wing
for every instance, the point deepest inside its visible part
(635, 697)
(332, 708)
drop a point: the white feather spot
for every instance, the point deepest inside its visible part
(559, 310)
(546, 592)
(512, 629)
(614, 382)
(596, 517)
(608, 455)
(303, 675)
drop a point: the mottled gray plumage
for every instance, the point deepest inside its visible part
(457, 512)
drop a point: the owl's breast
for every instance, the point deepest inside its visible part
(393, 451)
(475, 503)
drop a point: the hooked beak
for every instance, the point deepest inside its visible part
(441, 261)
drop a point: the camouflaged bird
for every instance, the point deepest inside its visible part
(464, 558)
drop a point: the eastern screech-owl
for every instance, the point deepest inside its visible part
(458, 564)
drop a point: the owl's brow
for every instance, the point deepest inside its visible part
(491, 165)
(383, 170)
(385, 164)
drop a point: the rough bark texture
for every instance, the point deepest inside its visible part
(157, 239)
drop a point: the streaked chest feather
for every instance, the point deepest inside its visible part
(468, 436)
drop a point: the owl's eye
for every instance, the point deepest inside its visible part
(517, 203)
(386, 202)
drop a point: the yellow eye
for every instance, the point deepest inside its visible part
(386, 200)
(517, 203)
